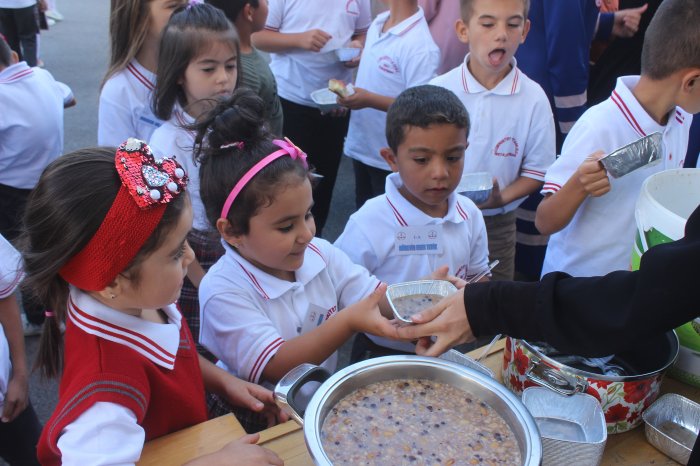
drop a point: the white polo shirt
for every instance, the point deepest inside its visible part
(392, 61)
(172, 140)
(31, 124)
(369, 239)
(512, 127)
(300, 72)
(10, 276)
(14, 4)
(600, 236)
(125, 106)
(247, 314)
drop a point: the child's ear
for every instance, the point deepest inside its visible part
(462, 31)
(14, 58)
(114, 289)
(223, 226)
(388, 155)
(247, 12)
(526, 29)
(691, 80)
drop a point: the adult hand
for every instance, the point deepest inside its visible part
(626, 22)
(313, 40)
(592, 176)
(241, 452)
(447, 321)
(256, 398)
(16, 398)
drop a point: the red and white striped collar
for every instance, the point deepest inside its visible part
(141, 74)
(406, 214)
(509, 85)
(157, 342)
(271, 287)
(631, 110)
(15, 72)
(404, 26)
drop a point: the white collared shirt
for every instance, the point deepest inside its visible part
(300, 72)
(392, 61)
(125, 106)
(172, 140)
(31, 124)
(119, 438)
(15, 4)
(599, 237)
(246, 314)
(10, 276)
(369, 240)
(512, 127)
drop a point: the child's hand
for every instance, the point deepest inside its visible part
(360, 99)
(313, 40)
(364, 316)
(441, 273)
(16, 398)
(592, 176)
(256, 398)
(495, 200)
(355, 44)
(241, 452)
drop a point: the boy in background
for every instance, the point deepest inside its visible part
(427, 129)
(590, 217)
(513, 128)
(399, 53)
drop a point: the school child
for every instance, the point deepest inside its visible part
(302, 36)
(249, 16)
(19, 425)
(513, 128)
(426, 128)
(106, 247)
(198, 64)
(272, 301)
(399, 53)
(124, 110)
(591, 217)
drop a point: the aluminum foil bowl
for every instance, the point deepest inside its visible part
(409, 298)
(672, 425)
(476, 186)
(573, 427)
(632, 156)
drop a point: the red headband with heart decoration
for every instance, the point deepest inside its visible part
(148, 185)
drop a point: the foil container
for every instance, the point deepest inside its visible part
(632, 156)
(672, 425)
(572, 428)
(463, 359)
(420, 288)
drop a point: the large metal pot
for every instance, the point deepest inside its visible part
(622, 397)
(358, 375)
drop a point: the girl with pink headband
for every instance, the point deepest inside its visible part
(105, 247)
(272, 301)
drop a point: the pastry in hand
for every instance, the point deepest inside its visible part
(338, 87)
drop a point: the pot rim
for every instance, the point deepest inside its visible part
(313, 422)
(607, 378)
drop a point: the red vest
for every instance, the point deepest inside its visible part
(97, 369)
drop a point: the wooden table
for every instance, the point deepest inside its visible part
(287, 440)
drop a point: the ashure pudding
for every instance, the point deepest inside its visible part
(412, 304)
(416, 422)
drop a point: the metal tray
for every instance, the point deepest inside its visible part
(463, 359)
(418, 288)
(573, 427)
(632, 156)
(672, 425)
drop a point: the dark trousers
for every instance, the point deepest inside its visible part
(322, 138)
(19, 26)
(369, 182)
(18, 439)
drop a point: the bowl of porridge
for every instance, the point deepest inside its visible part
(410, 410)
(409, 298)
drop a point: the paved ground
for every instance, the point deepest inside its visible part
(76, 52)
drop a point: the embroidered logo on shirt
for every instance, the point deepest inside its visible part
(507, 147)
(388, 65)
(352, 8)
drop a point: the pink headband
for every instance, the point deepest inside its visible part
(286, 148)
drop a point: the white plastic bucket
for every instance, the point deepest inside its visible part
(666, 201)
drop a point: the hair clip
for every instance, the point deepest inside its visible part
(238, 145)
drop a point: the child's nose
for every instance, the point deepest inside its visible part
(440, 169)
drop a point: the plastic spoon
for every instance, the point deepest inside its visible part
(481, 275)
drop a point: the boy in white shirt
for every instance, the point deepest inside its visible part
(513, 128)
(426, 128)
(399, 53)
(591, 217)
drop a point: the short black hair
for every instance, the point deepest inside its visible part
(232, 8)
(5, 52)
(467, 9)
(423, 106)
(672, 40)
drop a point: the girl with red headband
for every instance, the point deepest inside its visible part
(198, 65)
(270, 303)
(105, 246)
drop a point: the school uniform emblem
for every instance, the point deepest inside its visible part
(507, 147)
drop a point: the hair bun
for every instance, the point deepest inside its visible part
(241, 118)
